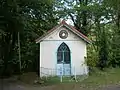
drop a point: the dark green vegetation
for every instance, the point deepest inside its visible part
(31, 18)
(97, 19)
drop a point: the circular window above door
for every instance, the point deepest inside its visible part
(63, 34)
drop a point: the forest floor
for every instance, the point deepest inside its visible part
(108, 80)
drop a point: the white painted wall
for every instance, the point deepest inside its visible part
(49, 46)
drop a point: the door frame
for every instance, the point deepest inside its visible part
(63, 59)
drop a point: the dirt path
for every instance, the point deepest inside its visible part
(13, 85)
(112, 87)
(10, 85)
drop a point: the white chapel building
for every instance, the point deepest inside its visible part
(63, 51)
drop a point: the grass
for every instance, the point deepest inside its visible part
(57, 80)
(101, 79)
(96, 80)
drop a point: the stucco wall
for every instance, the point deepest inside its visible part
(49, 46)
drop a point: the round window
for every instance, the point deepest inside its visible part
(63, 34)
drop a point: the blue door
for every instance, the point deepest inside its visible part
(63, 60)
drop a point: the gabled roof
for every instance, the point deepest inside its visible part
(73, 29)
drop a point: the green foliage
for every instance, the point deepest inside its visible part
(103, 50)
(10, 25)
(115, 50)
(92, 56)
(29, 17)
(97, 19)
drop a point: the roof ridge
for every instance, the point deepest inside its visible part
(72, 29)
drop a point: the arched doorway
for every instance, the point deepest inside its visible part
(63, 60)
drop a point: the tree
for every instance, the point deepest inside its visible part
(114, 12)
(10, 24)
(29, 17)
